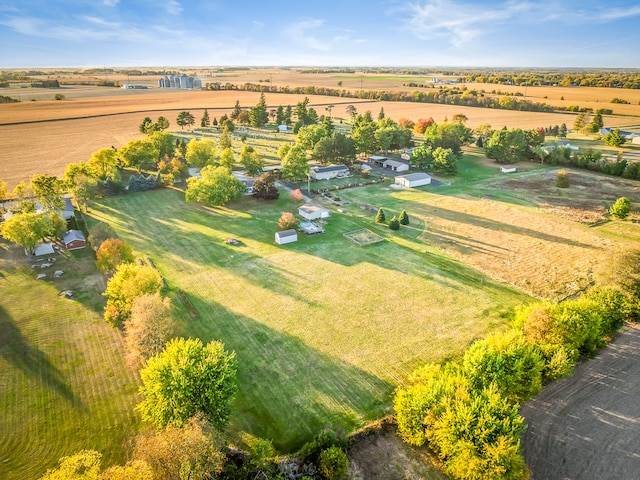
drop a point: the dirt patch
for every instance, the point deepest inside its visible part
(588, 426)
(379, 454)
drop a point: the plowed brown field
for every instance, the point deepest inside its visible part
(587, 427)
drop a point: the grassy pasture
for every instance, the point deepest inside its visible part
(323, 329)
(64, 383)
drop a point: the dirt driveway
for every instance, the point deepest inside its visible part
(588, 426)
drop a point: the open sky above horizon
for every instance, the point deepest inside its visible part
(420, 33)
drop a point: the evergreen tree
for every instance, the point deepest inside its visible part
(258, 115)
(394, 223)
(236, 111)
(381, 114)
(404, 218)
(204, 121)
(380, 217)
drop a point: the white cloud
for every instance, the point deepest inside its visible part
(173, 7)
(457, 21)
(299, 33)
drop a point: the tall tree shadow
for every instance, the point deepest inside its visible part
(16, 350)
(289, 390)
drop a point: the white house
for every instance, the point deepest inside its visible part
(413, 179)
(311, 211)
(286, 236)
(636, 140)
(508, 168)
(329, 171)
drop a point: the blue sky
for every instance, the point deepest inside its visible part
(421, 33)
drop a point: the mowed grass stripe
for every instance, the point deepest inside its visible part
(64, 384)
(323, 330)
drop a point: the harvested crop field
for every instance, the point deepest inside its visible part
(587, 427)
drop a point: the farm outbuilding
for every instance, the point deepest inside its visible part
(74, 239)
(413, 179)
(286, 236)
(388, 163)
(311, 211)
(44, 249)
(508, 168)
(329, 171)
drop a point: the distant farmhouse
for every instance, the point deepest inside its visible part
(183, 82)
(329, 171)
(390, 164)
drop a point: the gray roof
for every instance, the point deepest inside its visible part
(415, 176)
(68, 206)
(330, 168)
(72, 235)
(395, 163)
(287, 233)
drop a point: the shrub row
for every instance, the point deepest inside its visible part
(467, 411)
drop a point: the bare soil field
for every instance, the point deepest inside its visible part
(587, 427)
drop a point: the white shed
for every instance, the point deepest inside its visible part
(311, 211)
(286, 236)
(413, 180)
(508, 168)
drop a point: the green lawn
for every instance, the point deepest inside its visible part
(64, 384)
(324, 330)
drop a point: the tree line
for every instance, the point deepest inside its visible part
(467, 410)
(443, 96)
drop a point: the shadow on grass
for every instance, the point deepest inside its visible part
(288, 390)
(34, 363)
(461, 217)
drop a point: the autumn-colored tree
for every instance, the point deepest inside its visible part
(128, 282)
(287, 220)
(149, 326)
(193, 451)
(406, 123)
(296, 195)
(422, 124)
(112, 253)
